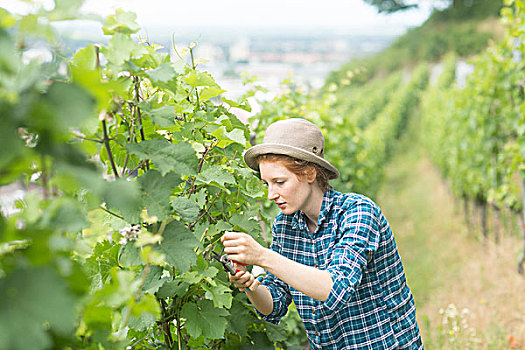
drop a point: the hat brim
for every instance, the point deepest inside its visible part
(250, 156)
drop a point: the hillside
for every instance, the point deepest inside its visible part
(463, 30)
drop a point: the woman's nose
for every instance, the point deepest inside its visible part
(272, 195)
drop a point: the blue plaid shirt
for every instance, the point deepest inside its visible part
(370, 305)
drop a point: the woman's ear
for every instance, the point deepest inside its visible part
(311, 174)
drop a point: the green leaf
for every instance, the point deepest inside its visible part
(220, 295)
(129, 255)
(64, 114)
(167, 157)
(154, 279)
(86, 58)
(101, 89)
(30, 25)
(202, 318)
(276, 332)
(65, 10)
(64, 215)
(254, 188)
(156, 192)
(246, 224)
(6, 20)
(122, 22)
(120, 290)
(163, 116)
(245, 105)
(226, 138)
(216, 175)
(165, 77)
(260, 341)
(196, 78)
(103, 259)
(171, 289)
(33, 298)
(97, 316)
(187, 209)
(178, 245)
(142, 322)
(210, 92)
(121, 48)
(240, 317)
(124, 196)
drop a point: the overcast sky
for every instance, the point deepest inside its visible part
(347, 16)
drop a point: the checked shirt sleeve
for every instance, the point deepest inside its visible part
(280, 294)
(359, 230)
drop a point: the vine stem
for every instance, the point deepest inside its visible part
(179, 332)
(44, 178)
(112, 213)
(108, 148)
(193, 66)
(166, 325)
(190, 226)
(137, 108)
(199, 168)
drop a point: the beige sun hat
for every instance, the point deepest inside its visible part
(297, 138)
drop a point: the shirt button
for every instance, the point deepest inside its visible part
(315, 265)
(317, 333)
(313, 311)
(312, 241)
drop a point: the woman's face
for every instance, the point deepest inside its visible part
(287, 190)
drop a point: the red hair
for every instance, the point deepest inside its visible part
(299, 168)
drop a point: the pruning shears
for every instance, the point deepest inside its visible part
(229, 265)
(226, 263)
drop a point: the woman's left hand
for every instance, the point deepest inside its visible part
(242, 248)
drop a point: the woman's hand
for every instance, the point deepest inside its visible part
(243, 279)
(242, 248)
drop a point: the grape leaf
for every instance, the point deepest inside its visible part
(167, 157)
(210, 92)
(124, 196)
(163, 116)
(203, 318)
(216, 175)
(186, 208)
(178, 244)
(219, 294)
(154, 279)
(173, 288)
(122, 22)
(32, 298)
(156, 192)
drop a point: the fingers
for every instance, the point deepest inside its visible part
(256, 282)
(239, 266)
(242, 280)
(230, 235)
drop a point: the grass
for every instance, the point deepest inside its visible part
(445, 265)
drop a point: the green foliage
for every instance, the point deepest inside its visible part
(138, 172)
(476, 132)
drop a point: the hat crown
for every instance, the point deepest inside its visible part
(296, 132)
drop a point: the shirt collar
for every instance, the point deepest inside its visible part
(328, 199)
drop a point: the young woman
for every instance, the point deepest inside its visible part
(333, 254)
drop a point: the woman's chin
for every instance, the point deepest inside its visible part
(287, 211)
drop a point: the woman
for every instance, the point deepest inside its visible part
(334, 254)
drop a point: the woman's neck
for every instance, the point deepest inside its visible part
(313, 208)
